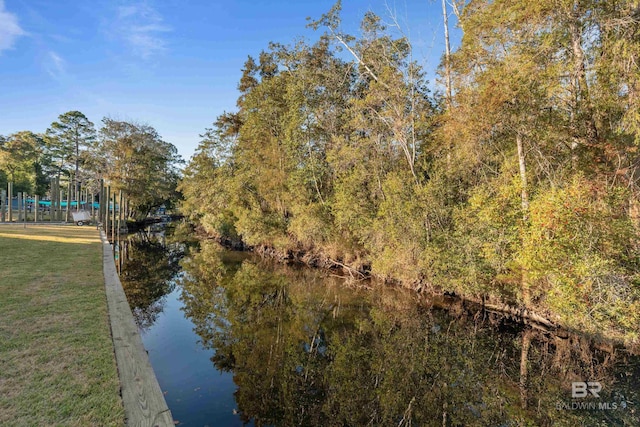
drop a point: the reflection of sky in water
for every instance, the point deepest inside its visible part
(197, 394)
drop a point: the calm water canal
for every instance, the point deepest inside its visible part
(236, 340)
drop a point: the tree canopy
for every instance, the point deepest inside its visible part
(128, 156)
(68, 138)
(21, 161)
(133, 158)
(521, 186)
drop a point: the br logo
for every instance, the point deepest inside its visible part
(581, 389)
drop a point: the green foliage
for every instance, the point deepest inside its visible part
(68, 140)
(581, 252)
(485, 240)
(134, 158)
(545, 162)
(400, 230)
(358, 161)
(21, 160)
(131, 157)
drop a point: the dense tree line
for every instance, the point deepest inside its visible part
(128, 156)
(519, 184)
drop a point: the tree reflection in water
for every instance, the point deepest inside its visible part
(306, 350)
(148, 265)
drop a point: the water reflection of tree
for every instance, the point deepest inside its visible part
(305, 351)
(148, 266)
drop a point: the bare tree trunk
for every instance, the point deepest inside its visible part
(524, 368)
(523, 178)
(447, 57)
(524, 198)
(582, 119)
(358, 58)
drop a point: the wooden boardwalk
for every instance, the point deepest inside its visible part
(143, 401)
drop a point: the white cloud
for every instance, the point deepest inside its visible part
(55, 65)
(141, 27)
(9, 28)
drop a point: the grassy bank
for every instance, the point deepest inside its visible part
(56, 353)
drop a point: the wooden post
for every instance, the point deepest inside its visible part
(107, 195)
(61, 216)
(56, 196)
(19, 206)
(52, 199)
(93, 211)
(22, 203)
(100, 201)
(10, 200)
(102, 206)
(25, 204)
(36, 208)
(56, 201)
(119, 214)
(3, 197)
(52, 213)
(67, 217)
(113, 223)
(52, 208)
(123, 246)
(103, 191)
(59, 198)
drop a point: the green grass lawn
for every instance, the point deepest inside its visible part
(57, 365)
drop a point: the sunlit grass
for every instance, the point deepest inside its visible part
(54, 238)
(56, 357)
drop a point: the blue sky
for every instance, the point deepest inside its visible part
(172, 64)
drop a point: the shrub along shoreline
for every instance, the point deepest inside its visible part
(357, 273)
